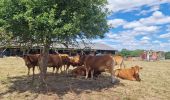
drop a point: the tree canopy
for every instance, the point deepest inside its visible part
(61, 20)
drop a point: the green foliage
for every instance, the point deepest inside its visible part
(167, 55)
(132, 53)
(4, 37)
(40, 21)
(125, 52)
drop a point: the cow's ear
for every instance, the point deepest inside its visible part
(141, 68)
(132, 67)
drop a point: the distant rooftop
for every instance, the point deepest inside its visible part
(93, 46)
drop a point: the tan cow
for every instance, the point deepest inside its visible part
(119, 61)
(65, 61)
(129, 73)
(99, 63)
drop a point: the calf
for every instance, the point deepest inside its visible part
(129, 73)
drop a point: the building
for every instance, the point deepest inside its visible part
(86, 48)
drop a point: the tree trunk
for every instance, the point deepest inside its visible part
(44, 62)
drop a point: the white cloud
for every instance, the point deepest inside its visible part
(146, 29)
(156, 41)
(132, 24)
(145, 38)
(116, 22)
(121, 5)
(152, 9)
(157, 18)
(167, 35)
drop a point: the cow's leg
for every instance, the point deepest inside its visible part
(28, 71)
(38, 68)
(92, 72)
(33, 69)
(87, 72)
(67, 67)
(53, 70)
(112, 74)
(57, 69)
(60, 67)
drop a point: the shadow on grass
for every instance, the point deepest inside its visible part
(59, 84)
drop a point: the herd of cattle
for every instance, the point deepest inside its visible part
(86, 65)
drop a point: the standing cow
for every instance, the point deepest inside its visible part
(65, 61)
(99, 63)
(118, 60)
(31, 60)
(54, 60)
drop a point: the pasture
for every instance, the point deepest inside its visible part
(16, 85)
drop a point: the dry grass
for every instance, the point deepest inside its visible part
(16, 85)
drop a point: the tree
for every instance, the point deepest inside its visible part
(125, 52)
(167, 55)
(43, 21)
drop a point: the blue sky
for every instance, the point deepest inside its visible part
(138, 24)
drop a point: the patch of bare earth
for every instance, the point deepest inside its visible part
(16, 85)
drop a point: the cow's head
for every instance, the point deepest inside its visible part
(82, 59)
(26, 59)
(136, 70)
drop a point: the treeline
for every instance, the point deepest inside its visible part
(130, 53)
(137, 53)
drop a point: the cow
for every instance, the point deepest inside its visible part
(129, 73)
(55, 61)
(99, 63)
(118, 60)
(65, 61)
(81, 71)
(75, 61)
(31, 60)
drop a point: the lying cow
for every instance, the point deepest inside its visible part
(81, 71)
(31, 60)
(99, 63)
(129, 73)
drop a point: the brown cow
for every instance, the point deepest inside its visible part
(129, 73)
(119, 61)
(99, 63)
(31, 60)
(81, 71)
(55, 61)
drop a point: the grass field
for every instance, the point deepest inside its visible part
(16, 85)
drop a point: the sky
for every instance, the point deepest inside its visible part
(138, 24)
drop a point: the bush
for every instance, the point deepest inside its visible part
(167, 55)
